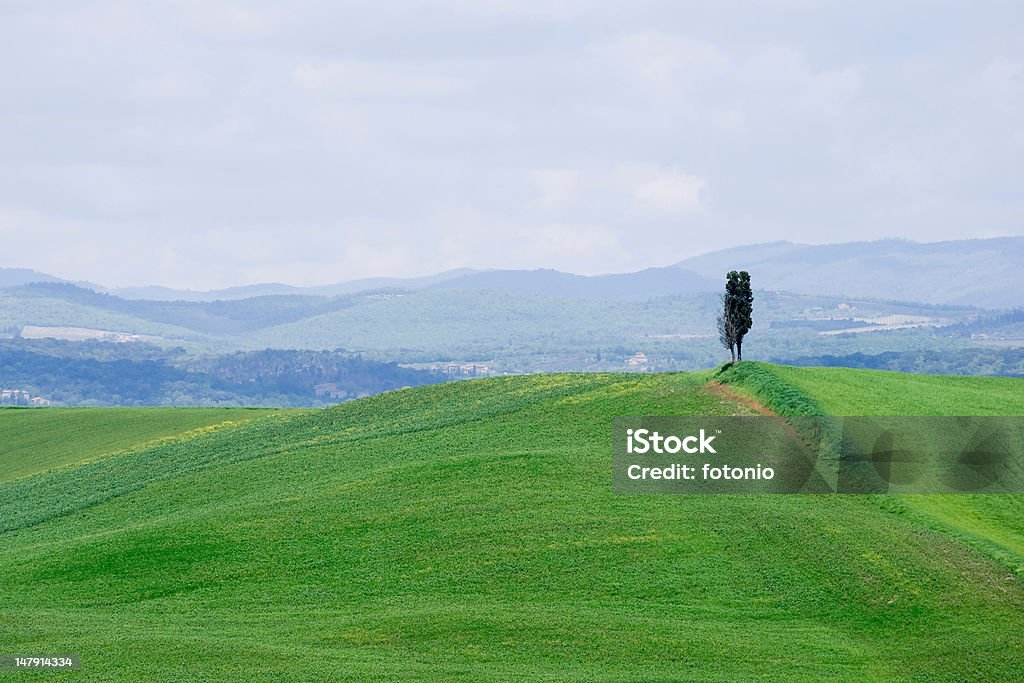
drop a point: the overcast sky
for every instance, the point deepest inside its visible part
(204, 144)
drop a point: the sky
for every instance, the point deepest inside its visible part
(205, 144)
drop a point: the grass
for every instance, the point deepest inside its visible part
(992, 523)
(467, 531)
(840, 391)
(762, 382)
(38, 440)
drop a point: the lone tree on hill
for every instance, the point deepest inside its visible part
(735, 319)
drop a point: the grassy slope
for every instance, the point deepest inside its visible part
(467, 532)
(876, 392)
(994, 523)
(38, 440)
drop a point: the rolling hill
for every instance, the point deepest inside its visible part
(15, 277)
(843, 304)
(467, 531)
(35, 441)
(529, 331)
(981, 272)
(975, 272)
(992, 523)
(643, 284)
(155, 293)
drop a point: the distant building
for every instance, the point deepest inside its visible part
(637, 361)
(18, 397)
(454, 369)
(330, 390)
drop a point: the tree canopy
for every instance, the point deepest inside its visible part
(736, 317)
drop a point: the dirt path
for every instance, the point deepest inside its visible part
(727, 392)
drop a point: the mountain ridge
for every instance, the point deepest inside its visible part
(975, 272)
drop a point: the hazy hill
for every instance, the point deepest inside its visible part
(987, 273)
(94, 373)
(14, 277)
(644, 284)
(546, 320)
(213, 317)
(156, 293)
(508, 331)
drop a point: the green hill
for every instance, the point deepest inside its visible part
(841, 391)
(992, 523)
(39, 307)
(467, 531)
(538, 328)
(38, 440)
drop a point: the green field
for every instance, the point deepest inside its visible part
(994, 524)
(875, 392)
(34, 441)
(467, 531)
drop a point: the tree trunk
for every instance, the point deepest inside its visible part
(739, 351)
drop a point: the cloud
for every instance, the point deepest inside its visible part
(1003, 81)
(668, 65)
(520, 244)
(355, 78)
(625, 187)
(665, 189)
(212, 143)
(230, 19)
(711, 84)
(550, 10)
(557, 187)
(168, 86)
(890, 169)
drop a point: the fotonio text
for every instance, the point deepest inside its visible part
(645, 441)
(708, 472)
(817, 454)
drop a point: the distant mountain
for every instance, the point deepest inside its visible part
(644, 284)
(15, 277)
(506, 331)
(987, 273)
(157, 293)
(984, 272)
(94, 309)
